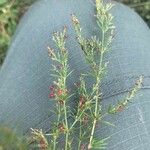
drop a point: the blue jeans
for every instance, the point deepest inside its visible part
(25, 75)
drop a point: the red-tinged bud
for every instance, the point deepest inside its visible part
(81, 102)
(51, 88)
(83, 147)
(43, 145)
(61, 128)
(120, 108)
(81, 98)
(59, 92)
(51, 95)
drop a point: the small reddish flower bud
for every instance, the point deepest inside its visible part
(43, 145)
(51, 88)
(60, 92)
(81, 98)
(61, 128)
(51, 95)
(83, 147)
(81, 102)
(120, 108)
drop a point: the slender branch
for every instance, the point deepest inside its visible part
(80, 134)
(98, 80)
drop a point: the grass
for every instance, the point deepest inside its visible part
(10, 13)
(12, 10)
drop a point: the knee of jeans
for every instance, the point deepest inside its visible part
(27, 58)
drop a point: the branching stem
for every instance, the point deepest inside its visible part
(98, 81)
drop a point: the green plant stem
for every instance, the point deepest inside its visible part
(76, 120)
(98, 81)
(65, 107)
(54, 145)
(66, 124)
(80, 131)
(59, 112)
(58, 119)
(95, 119)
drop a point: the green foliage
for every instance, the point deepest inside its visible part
(8, 22)
(11, 141)
(3, 1)
(10, 13)
(99, 144)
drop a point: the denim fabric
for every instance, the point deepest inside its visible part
(25, 75)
